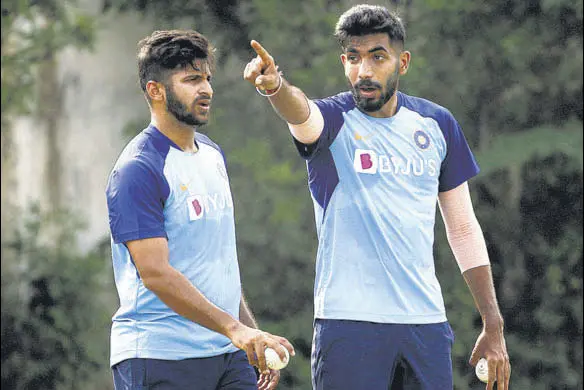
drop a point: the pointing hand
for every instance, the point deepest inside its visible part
(262, 71)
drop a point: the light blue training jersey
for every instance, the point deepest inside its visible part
(157, 190)
(374, 183)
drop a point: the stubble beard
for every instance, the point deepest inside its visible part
(180, 111)
(373, 105)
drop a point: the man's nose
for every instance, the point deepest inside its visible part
(207, 89)
(365, 70)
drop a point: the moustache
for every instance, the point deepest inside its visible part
(367, 84)
(203, 97)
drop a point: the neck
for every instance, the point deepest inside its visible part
(181, 134)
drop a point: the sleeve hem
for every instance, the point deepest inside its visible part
(454, 184)
(138, 235)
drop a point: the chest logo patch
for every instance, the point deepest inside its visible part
(370, 162)
(196, 207)
(221, 170)
(421, 139)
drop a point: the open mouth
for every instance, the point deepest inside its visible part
(204, 105)
(367, 92)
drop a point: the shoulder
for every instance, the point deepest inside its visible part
(427, 109)
(340, 102)
(142, 156)
(205, 140)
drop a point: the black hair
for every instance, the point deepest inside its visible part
(164, 51)
(366, 19)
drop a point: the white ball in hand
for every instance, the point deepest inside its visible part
(482, 370)
(273, 359)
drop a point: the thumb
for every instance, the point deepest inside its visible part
(266, 82)
(475, 356)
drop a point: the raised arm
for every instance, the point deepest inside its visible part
(466, 239)
(291, 104)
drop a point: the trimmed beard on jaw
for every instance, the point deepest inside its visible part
(180, 111)
(373, 105)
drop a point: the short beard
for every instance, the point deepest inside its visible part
(372, 105)
(180, 110)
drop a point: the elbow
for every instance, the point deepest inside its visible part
(468, 246)
(150, 282)
(462, 232)
(461, 229)
(154, 279)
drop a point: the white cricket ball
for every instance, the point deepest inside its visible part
(482, 370)
(273, 359)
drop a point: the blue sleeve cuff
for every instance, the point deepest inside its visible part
(138, 235)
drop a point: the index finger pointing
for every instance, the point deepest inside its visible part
(263, 53)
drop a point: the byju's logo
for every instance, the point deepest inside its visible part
(365, 161)
(195, 204)
(198, 205)
(368, 161)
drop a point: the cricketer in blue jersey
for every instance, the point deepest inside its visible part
(379, 162)
(183, 322)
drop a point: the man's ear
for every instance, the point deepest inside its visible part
(404, 62)
(155, 90)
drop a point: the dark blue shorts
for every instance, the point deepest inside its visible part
(224, 372)
(358, 355)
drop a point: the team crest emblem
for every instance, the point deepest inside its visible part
(222, 171)
(421, 139)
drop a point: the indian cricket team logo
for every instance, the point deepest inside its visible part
(221, 169)
(365, 161)
(196, 207)
(421, 139)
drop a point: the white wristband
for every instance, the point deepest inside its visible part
(277, 89)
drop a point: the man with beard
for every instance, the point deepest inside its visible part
(378, 162)
(183, 322)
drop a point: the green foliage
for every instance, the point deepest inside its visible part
(536, 251)
(33, 32)
(499, 65)
(510, 71)
(56, 308)
(517, 149)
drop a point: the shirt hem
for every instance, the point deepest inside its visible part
(382, 318)
(166, 354)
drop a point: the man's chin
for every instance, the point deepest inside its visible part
(198, 121)
(368, 105)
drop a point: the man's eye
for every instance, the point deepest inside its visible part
(379, 56)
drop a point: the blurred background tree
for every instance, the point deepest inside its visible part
(56, 308)
(510, 71)
(33, 32)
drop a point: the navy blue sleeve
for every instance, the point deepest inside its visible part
(332, 111)
(459, 165)
(135, 200)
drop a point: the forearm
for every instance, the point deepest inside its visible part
(480, 283)
(245, 315)
(290, 103)
(470, 250)
(178, 293)
(468, 245)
